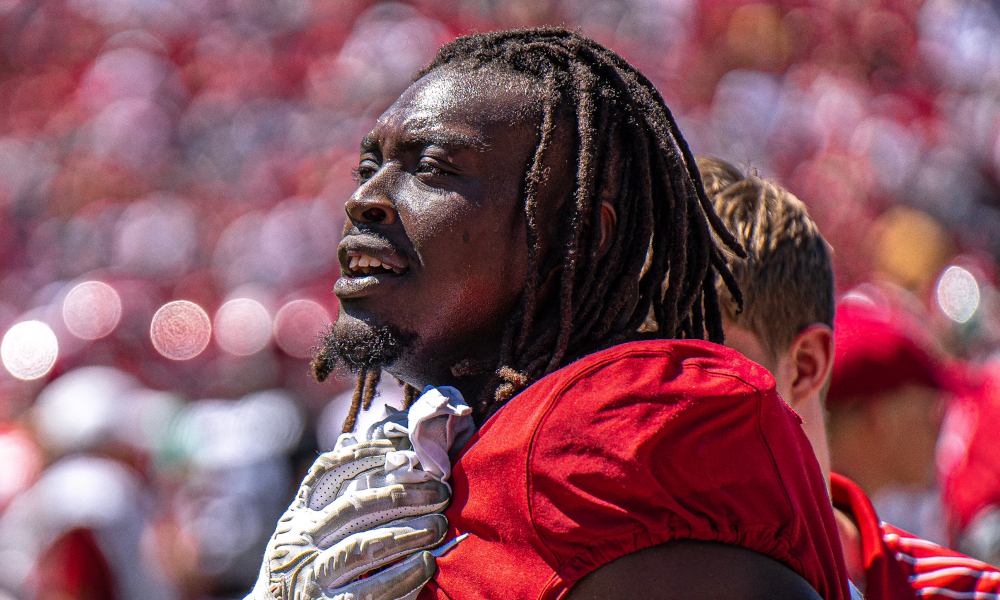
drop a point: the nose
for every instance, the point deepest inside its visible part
(369, 207)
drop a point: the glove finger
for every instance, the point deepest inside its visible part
(359, 474)
(372, 478)
(398, 582)
(375, 507)
(331, 469)
(370, 550)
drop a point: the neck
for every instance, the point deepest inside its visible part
(814, 426)
(475, 380)
(477, 390)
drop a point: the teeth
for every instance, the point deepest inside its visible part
(368, 265)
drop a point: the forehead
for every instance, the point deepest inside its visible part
(463, 100)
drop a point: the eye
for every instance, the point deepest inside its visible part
(365, 170)
(429, 166)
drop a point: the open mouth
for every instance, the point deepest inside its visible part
(360, 264)
(368, 265)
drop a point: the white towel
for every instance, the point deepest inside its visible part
(437, 425)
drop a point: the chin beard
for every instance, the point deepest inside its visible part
(358, 346)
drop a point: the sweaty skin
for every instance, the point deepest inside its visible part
(440, 175)
(439, 203)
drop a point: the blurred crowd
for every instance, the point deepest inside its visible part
(172, 180)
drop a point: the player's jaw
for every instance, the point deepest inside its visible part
(367, 333)
(355, 344)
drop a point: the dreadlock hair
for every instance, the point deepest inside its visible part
(364, 393)
(659, 274)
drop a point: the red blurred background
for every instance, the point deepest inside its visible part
(202, 150)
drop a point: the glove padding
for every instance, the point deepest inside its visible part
(399, 582)
(348, 518)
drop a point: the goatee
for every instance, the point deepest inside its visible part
(356, 345)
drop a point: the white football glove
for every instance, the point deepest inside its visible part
(348, 518)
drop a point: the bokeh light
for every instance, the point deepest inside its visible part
(81, 408)
(203, 150)
(156, 236)
(242, 326)
(180, 330)
(21, 460)
(219, 433)
(298, 325)
(958, 294)
(91, 310)
(29, 349)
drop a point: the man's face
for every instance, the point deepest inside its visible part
(439, 210)
(908, 422)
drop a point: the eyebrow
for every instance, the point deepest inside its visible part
(428, 137)
(431, 136)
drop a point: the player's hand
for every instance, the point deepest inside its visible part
(399, 582)
(348, 518)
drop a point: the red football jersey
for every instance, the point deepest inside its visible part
(901, 566)
(628, 448)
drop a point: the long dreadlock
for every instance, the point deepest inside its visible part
(630, 153)
(364, 393)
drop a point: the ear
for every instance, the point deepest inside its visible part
(609, 219)
(811, 356)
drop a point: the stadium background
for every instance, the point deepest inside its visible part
(202, 150)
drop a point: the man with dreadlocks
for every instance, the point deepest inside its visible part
(530, 228)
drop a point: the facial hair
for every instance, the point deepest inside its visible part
(357, 345)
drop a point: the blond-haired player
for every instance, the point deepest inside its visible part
(787, 326)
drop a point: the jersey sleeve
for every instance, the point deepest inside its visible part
(938, 573)
(638, 452)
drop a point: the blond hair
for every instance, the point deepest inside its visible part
(787, 279)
